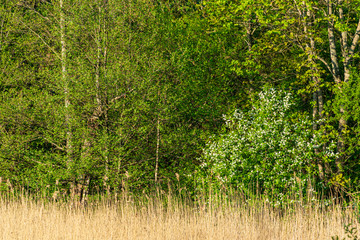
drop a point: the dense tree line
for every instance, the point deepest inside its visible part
(100, 95)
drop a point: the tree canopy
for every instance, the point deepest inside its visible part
(96, 96)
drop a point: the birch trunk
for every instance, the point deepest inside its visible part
(101, 71)
(317, 111)
(347, 55)
(64, 76)
(100, 109)
(249, 34)
(337, 79)
(157, 149)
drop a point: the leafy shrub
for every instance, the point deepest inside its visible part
(269, 148)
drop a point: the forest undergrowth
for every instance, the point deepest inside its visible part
(171, 216)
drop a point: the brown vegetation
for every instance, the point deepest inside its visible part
(169, 219)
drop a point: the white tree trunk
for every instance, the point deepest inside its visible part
(65, 81)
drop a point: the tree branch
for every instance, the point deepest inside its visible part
(56, 54)
(54, 144)
(326, 64)
(355, 41)
(117, 98)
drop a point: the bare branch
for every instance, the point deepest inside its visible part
(332, 45)
(326, 64)
(298, 9)
(22, 4)
(56, 54)
(54, 144)
(117, 98)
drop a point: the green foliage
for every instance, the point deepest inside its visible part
(348, 97)
(269, 147)
(130, 64)
(148, 81)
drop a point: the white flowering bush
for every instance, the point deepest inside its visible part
(268, 147)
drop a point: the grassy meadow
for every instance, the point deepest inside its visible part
(167, 218)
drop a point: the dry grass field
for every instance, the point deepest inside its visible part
(27, 219)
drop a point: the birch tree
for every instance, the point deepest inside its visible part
(343, 29)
